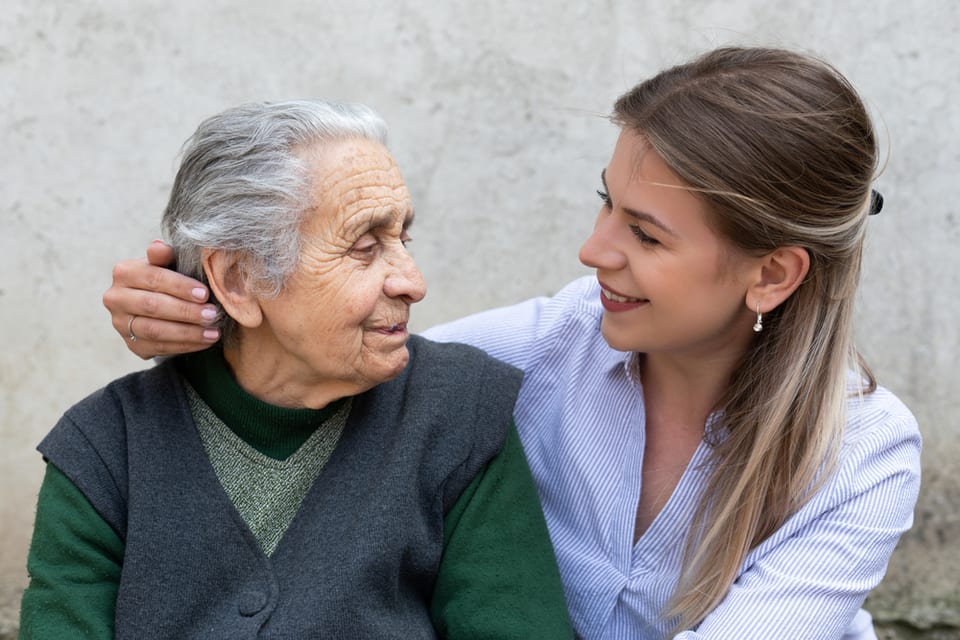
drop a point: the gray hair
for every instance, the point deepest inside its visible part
(243, 184)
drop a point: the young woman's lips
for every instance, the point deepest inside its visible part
(614, 301)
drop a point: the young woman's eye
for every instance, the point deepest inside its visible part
(643, 237)
(605, 197)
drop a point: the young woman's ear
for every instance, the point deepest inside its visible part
(229, 284)
(780, 273)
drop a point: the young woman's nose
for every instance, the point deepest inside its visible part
(601, 250)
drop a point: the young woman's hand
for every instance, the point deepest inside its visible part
(158, 311)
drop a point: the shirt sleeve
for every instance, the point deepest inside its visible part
(498, 577)
(74, 566)
(811, 583)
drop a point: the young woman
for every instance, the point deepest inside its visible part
(713, 458)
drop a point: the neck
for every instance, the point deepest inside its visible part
(271, 374)
(273, 431)
(685, 390)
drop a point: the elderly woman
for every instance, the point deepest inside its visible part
(322, 473)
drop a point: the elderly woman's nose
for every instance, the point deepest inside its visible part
(405, 280)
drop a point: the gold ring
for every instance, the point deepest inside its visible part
(132, 336)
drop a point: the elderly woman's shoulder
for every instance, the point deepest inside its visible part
(90, 442)
(454, 370)
(149, 388)
(453, 357)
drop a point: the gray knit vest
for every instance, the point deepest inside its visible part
(361, 556)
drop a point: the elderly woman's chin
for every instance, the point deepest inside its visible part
(297, 366)
(387, 354)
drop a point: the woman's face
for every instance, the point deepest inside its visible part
(669, 283)
(339, 327)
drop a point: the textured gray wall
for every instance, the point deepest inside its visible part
(496, 112)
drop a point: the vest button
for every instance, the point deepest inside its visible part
(251, 603)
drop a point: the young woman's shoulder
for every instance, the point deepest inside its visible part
(877, 418)
(880, 453)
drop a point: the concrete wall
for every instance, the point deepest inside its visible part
(496, 112)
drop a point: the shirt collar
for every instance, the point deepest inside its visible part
(621, 363)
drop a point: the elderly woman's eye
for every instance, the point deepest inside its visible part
(405, 239)
(364, 246)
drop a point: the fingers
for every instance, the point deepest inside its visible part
(163, 337)
(171, 312)
(160, 254)
(141, 274)
(157, 322)
(123, 302)
(144, 290)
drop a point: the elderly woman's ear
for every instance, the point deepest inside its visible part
(228, 283)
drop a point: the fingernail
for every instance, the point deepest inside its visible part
(208, 313)
(199, 293)
(211, 334)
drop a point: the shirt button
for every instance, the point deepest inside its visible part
(251, 603)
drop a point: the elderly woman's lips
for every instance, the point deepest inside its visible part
(394, 329)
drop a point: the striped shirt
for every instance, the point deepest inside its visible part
(581, 418)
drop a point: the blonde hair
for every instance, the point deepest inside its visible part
(781, 149)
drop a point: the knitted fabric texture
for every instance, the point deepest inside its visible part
(362, 556)
(266, 492)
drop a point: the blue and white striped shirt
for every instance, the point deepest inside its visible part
(581, 418)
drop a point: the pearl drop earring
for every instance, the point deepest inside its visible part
(758, 325)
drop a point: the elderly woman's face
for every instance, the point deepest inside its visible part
(341, 322)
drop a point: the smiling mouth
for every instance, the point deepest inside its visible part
(613, 296)
(609, 295)
(616, 302)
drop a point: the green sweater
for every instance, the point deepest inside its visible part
(496, 528)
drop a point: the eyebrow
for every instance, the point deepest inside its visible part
(642, 216)
(386, 218)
